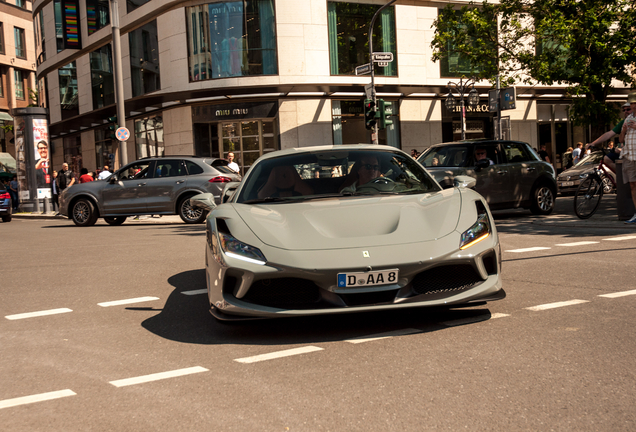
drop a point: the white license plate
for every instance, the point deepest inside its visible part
(571, 183)
(362, 279)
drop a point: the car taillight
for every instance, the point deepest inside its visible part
(4, 196)
(220, 179)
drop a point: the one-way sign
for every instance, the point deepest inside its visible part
(364, 69)
(383, 57)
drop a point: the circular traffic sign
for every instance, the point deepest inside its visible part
(122, 134)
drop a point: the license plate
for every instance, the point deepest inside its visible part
(362, 279)
(570, 183)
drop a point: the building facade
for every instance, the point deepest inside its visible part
(17, 64)
(252, 76)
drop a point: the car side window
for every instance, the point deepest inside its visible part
(516, 152)
(169, 168)
(134, 171)
(193, 168)
(491, 152)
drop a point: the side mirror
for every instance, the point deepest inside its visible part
(113, 179)
(481, 164)
(466, 182)
(228, 191)
(203, 201)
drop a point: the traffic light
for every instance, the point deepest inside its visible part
(370, 113)
(112, 127)
(385, 111)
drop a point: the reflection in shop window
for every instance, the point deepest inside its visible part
(38, 26)
(104, 148)
(97, 14)
(19, 84)
(349, 124)
(73, 153)
(102, 77)
(68, 90)
(144, 59)
(231, 38)
(149, 137)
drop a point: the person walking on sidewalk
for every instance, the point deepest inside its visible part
(628, 154)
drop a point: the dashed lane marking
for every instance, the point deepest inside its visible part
(556, 305)
(620, 238)
(38, 314)
(158, 376)
(8, 403)
(194, 292)
(474, 319)
(127, 301)
(619, 294)
(583, 243)
(384, 335)
(278, 354)
(532, 249)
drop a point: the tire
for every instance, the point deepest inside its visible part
(115, 221)
(608, 186)
(6, 218)
(83, 213)
(188, 214)
(543, 199)
(588, 197)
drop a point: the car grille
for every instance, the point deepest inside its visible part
(283, 293)
(446, 279)
(369, 298)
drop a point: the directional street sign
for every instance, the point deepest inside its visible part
(122, 134)
(364, 69)
(508, 98)
(383, 57)
(493, 101)
(368, 91)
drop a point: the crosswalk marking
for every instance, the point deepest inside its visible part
(384, 335)
(619, 294)
(620, 238)
(532, 249)
(158, 376)
(278, 354)
(474, 319)
(38, 314)
(127, 301)
(8, 403)
(578, 243)
(556, 305)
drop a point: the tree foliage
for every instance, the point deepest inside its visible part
(585, 45)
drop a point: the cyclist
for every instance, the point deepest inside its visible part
(610, 158)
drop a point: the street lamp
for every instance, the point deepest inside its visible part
(460, 88)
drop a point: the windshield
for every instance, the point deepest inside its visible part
(591, 159)
(334, 173)
(445, 156)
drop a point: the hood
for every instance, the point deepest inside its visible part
(576, 171)
(354, 221)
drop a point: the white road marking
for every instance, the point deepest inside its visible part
(384, 335)
(127, 301)
(474, 319)
(8, 403)
(620, 238)
(619, 294)
(38, 314)
(578, 243)
(195, 292)
(158, 376)
(532, 249)
(279, 354)
(556, 305)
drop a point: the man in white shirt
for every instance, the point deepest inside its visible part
(628, 154)
(576, 153)
(104, 174)
(232, 165)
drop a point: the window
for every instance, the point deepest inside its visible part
(149, 137)
(131, 5)
(38, 26)
(97, 13)
(170, 168)
(68, 90)
(1, 38)
(104, 154)
(73, 152)
(102, 77)
(231, 39)
(144, 59)
(349, 37)
(20, 3)
(1, 84)
(67, 34)
(349, 124)
(516, 152)
(134, 171)
(20, 43)
(19, 84)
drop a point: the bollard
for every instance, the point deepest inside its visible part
(46, 205)
(624, 202)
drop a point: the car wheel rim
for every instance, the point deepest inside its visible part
(544, 199)
(80, 212)
(607, 185)
(189, 212)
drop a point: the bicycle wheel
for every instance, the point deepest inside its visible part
(588, 197)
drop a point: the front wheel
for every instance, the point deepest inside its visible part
(114, 221)
(608, 186)
(189, 214)
(542, 200)
(83, 213)
(588, 197)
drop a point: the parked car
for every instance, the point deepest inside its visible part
(6, 206)
(568, 181)
(149, 186)
(347, 228)
(510, 175)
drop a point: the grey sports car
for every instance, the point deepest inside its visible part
(323, 230)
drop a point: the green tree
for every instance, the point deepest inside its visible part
(586, 45)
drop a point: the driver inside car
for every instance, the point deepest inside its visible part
(368, 168)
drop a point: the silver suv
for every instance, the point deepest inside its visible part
(509, 173)
(149, 186)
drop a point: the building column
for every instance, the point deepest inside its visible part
(33, 86)
(11, 88)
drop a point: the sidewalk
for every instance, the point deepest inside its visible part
(165, 219)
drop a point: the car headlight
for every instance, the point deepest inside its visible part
(235, 248)
(583, 176)
(476, 233)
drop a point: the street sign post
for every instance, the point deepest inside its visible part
(363, 69)
(122, 134)
(368, 91)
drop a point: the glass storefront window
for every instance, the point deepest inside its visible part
(349, 124)
(68, 90)
(19, 84)
(98, 14)
(73, 153)
(349, 37)
(38, 25)
(149, 137)
(144, 59)
(231, 38)
(104, 145)
(102, 80)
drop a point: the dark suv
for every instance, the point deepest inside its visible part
(509, 173)
(149, 186)
(5, 204)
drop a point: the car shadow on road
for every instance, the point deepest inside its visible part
(186, 318)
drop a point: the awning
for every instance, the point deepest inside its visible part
(5, 116)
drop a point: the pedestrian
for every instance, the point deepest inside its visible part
(576, 153)
(610, 158)
(13, 191)
(55, 198)
(414, 153)
(85, 177)
(628, 153)
(567, 158)
(104, 174)
(543, 154)
(232, 165)
(65, 177)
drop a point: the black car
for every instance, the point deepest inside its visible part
(5, 204)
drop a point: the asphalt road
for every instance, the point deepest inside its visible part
(128, 344)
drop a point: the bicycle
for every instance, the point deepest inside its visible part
(589, 193)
